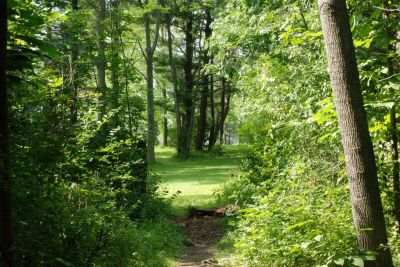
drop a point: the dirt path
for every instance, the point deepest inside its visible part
(202, 229)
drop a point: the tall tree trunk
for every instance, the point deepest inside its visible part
(391, 33)
(74, 63)
(201, 130)
(189, 80)
(395, 168)
(225, 103)
(150, 49)
(165, 121)
(178, 120)
(202, 123)
(151, 135)
(115, 64)
(6, 236)
(101, 58)
(126, 81)
(212, 137)
(228, 92)
(358, 150)
(222, 121)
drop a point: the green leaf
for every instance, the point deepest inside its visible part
(380, 104)
(297, 225)
(385, 70)
(57, 82)
(339, 262)
(318, 238)
(65, 263)
(358, 262)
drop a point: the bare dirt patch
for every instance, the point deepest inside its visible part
(202, 230)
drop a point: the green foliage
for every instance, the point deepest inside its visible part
(85, 204)
(82, 193)
(292, 189)
(297, 224)
(292, 217)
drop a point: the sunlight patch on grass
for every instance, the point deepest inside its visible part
(197, 178)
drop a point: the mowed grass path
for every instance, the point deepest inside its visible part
(197, 178)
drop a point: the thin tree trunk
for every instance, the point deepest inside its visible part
(390, 33)
(6, 234)
(150, 49)
(74, 62)
(201, 130)
(165, 121)
(211, 139)
(101, 60)
(228, 93)
(178, 120)
(115, 65)
(128, 103)
(358, 150)
(222, 121)
(151, 136)
(202, 123)
(395, 168)
(189, 80)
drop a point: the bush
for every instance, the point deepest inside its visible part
(293, 213)
(89, 201)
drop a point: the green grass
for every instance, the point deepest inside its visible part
(197, 178)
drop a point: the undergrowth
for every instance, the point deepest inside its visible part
(297, 216)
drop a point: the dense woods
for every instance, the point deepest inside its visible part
(89, 89)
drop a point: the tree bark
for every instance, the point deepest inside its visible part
(212, 137)
(201, 130)
(395, 168)
(74, 63)
(189, 80)
(101, 58)
(202, 123)
(360, 161)
(222, 120)
(6, 234)
(115, 60)
(391, 33)
(126, 78)
(165, 121)
(151, 136)
(178, 120)
(150, 48)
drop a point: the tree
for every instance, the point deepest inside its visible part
(391, 49)
(213, 125)
(360, 161)
(225, 102)
(115, 59)
(74, 63)
(395, 167)
(165, 120)
(189, 78)
(202, 125)
(6, 237)
(178, 121)
(149, 56)
(101, 57)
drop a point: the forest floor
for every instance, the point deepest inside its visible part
(192, 184)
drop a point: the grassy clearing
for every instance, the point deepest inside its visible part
(197, 178)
